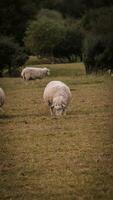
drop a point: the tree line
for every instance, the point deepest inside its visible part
(57, 29)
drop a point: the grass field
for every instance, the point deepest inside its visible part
(68, 158)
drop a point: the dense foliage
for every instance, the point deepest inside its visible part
(98, 44)
(71, 45)
(44, 33)
(58, 28)
(12, 55)
(51, 35)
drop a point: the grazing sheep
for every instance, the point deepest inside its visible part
(32, 73)
(2, 98)
(57, 95)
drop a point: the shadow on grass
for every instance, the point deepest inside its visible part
(4, 116)
(43, 115)
(10, 116)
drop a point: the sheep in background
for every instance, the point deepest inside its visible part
(110, 72)
(57, 95)
(32, 73)
(2, 98)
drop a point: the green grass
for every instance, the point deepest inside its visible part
(69, 158)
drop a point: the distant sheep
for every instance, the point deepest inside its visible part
(57, 95)
(2, 98)
(32, 73)
(110, 71)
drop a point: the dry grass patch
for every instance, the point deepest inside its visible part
(69, 158)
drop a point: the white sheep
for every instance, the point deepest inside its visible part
(32, 73)
(57, 95)
(2, 98)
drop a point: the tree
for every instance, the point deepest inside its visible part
(49, 14)
(43, 34)
(52, 35)
(99, 21)
(98, 45)
(14, 16)
(12, 55)
(71, 44)
(91, 48)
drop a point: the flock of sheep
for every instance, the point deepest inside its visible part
(56, 94)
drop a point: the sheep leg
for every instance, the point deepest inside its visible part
(64, 112)
(51, 111)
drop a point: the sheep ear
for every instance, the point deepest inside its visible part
(52, 106)
(63, 105)
(49, 103)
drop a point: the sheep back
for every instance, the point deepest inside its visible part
(55, 89)
(34, 73)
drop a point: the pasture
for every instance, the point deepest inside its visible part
(67, 158)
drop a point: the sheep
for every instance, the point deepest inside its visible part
(2, 98)
(57, 95)
(32, 73)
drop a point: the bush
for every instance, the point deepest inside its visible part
(71, 45)
(12, 56)
(42, 35)
(98, 53)
(50, 35)
(98, 44)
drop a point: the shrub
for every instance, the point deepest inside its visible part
(43, 35)
(98, 53)
(71, 45)
(12, 56)
(98, 44)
